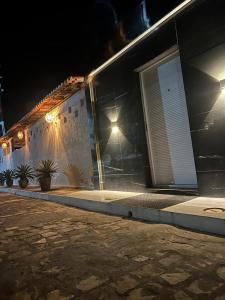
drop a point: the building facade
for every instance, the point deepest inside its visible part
(158, 107)
(164, 95)
(64, 140)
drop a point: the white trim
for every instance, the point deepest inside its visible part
(142, 36)
(160, 58)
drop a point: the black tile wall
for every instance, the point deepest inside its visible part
(117, 89)
(201, 36)
(200, 33)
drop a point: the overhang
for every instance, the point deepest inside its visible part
(64, 91)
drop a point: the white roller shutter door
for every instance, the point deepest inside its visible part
(168, 130)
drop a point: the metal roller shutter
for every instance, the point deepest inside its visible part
(168, 130)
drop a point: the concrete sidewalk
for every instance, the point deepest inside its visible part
(206, 214)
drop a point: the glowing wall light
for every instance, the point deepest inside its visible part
(20, 135)
(222, 86)
(115, 129)
(4, 146)
(50, 117)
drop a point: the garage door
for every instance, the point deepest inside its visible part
(167, 124)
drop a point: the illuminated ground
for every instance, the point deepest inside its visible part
(49, 251)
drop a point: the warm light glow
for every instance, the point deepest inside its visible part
(115, 129)
(4, 145)
(20, 135)
(49, 118)
(222, 86)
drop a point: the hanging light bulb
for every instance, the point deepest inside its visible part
(20, 135)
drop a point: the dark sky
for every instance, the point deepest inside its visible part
(42, 45)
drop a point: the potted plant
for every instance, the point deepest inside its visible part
(24, 173)
(45, 172)
(9, 176)
(2, 179)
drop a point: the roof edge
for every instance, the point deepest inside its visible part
(56, 97)
(142, 36)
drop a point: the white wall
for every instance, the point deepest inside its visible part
(67, 143)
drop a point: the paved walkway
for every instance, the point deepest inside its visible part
(206, 214)
(150, 200)
(53, 252)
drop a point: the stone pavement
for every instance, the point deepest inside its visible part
(53, 252)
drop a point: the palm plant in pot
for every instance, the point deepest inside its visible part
(45, 171)
(9, 175)
(24, 173)
(2, 178)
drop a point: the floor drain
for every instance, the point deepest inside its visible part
(214, 210)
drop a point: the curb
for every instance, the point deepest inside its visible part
(194, 222)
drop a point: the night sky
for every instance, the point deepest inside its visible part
(41, 46)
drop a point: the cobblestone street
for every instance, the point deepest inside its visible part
(53, 252)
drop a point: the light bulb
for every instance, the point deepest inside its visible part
(20, 135)
(4, 145)
(115, 129)
(49, 118)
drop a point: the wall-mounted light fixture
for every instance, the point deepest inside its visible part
(222, 86)
(115, 128)
(49, 117)
(4, 146)
(20, 135)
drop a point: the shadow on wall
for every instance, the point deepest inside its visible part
(75, 176)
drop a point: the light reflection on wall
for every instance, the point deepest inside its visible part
(116, 135)
(65, 142)
(211, 63)
(217, 110)
(114, 151)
